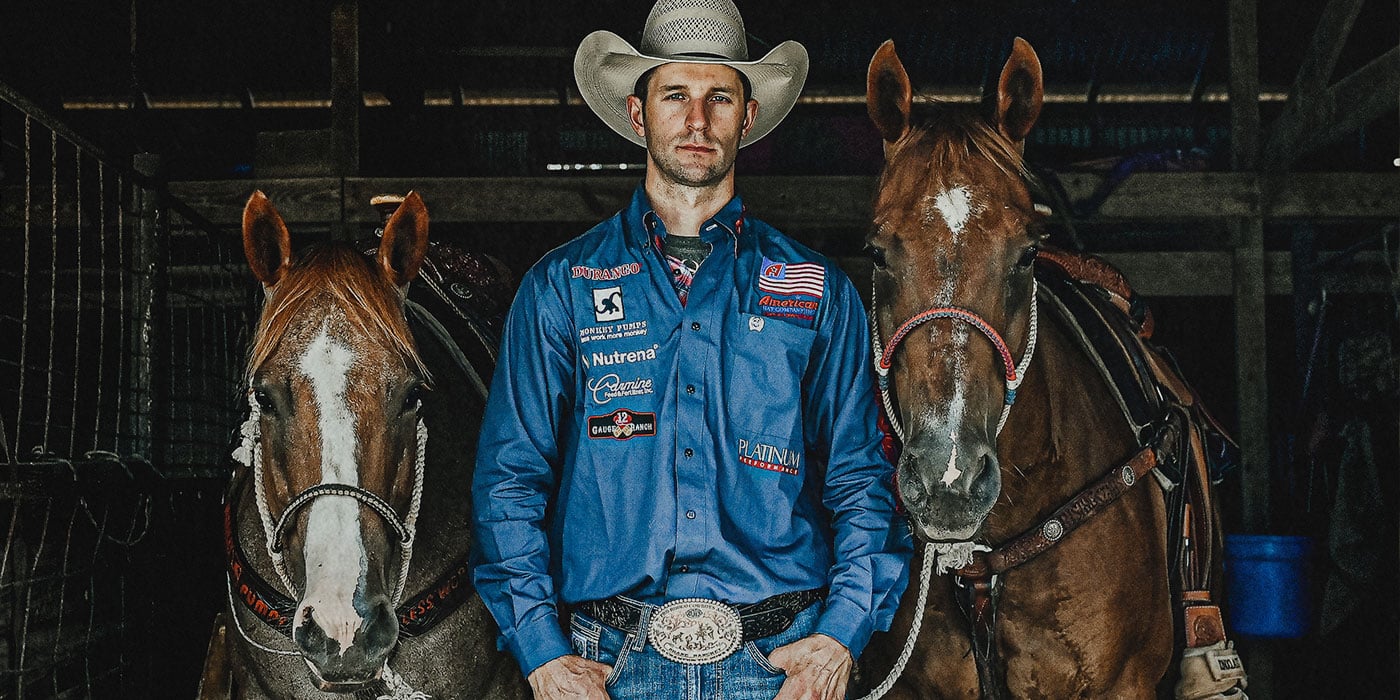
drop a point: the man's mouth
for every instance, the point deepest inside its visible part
(695, 148)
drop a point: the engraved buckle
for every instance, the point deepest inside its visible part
(695, 631)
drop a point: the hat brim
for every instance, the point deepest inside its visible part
(606, 68)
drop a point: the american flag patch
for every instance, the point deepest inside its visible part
(792, 278)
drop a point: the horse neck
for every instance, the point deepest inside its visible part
(1064, 431)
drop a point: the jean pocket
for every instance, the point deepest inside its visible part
(584, 636)
(619, 663)
(762, 659)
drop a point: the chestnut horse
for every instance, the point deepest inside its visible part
(955, 240)
(347, 529)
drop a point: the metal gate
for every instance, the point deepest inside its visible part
(123, 326)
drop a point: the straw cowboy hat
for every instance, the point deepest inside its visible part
(687, 31)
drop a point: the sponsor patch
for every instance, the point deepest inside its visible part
(607, 304)
(799, 307)
(792, 278)
(604, 274)
(612, 331)
(621, 357)
(611, 386)
(757, 453)
(622, 424)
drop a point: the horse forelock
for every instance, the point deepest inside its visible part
(954, 134)
(338, 275)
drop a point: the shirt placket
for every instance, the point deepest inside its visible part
(696, 459)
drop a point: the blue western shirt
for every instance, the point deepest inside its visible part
(725, 449)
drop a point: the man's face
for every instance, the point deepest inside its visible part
(692, 121)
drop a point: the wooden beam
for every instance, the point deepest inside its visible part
(1244, 83)
(1320, 117)
(832, 201)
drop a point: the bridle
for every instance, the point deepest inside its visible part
(1014, 372)
(250, 454)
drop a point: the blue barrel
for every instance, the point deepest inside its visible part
(1269, 588)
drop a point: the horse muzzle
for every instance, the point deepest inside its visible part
(948, 488)
(343, 668)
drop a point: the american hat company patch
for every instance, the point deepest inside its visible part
(790, 290)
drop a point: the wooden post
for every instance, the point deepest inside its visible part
(1251, 379)
(346, 99)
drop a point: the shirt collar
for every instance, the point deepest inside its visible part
(642, 224)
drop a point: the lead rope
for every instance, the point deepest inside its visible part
(925, 575)
(932, 551)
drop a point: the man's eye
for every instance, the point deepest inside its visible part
(675, 96)
(720, 98)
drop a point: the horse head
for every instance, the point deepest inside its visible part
(953, 240)
(334, 379)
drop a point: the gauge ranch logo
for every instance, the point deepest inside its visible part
(622, 424)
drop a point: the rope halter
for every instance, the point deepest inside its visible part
(1014, 372)
(249, 453)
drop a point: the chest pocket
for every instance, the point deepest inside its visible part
(765, 361)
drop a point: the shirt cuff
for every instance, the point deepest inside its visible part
(538, 643)
(846, 623)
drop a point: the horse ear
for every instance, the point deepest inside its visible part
(266, 243)
(887, 93)
(1020, 92)
(405, 240)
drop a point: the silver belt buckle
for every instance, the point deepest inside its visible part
(695, 631)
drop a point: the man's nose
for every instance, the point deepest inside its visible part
(696, 119)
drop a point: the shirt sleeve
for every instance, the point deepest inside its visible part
(871, 546)
(516, 472)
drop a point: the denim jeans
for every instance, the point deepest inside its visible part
(640, 673)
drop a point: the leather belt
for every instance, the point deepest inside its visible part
(763, 619)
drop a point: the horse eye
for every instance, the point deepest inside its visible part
(264, 400)
(1028, 257)
(877, 255)
(413, 400)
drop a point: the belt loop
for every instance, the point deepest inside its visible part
(640, 641)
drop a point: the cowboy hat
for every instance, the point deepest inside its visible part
(687, 31)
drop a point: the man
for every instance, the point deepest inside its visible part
(679, 458)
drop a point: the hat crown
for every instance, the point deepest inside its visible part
(695, 29)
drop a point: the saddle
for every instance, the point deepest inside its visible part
(1193, 453)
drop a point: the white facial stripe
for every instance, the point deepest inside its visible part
(335, 555)
(950, 417)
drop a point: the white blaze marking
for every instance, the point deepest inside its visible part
(956, 207)
(335, 554)
(953, 472)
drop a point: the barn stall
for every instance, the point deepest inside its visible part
(1236, 160)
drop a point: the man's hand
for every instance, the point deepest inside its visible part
(571, 677)
(818, 668)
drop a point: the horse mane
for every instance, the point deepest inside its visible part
(349, 279)
(955, 133)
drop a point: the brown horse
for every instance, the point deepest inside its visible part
(955, 240)
(347, 529)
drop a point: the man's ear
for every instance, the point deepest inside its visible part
(635, 112)
(750, 116)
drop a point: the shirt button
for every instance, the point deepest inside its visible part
(690, 515)
(695, 325)
(685, 568)
(690, 388)
(689, 453)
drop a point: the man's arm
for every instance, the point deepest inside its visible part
(871, 546)
(516, 476)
